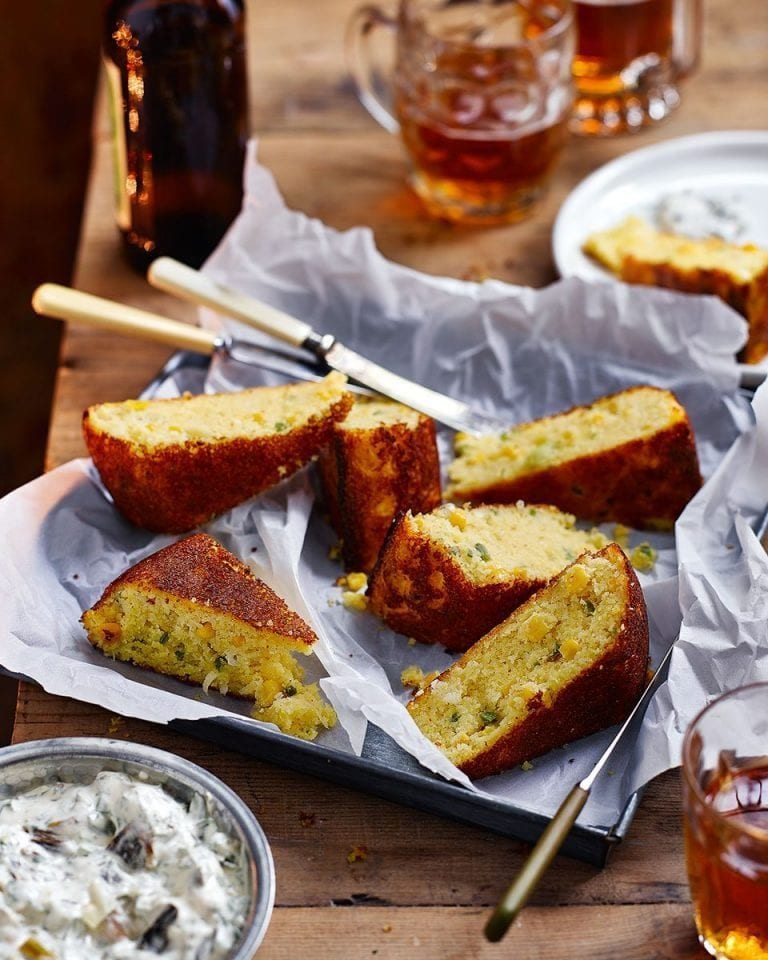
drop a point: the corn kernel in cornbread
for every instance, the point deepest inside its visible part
(516, 694)
(173, 464)
(738, 274)
(629, 457)
(194, 611)
(537, 626)
(382, 460)
(450, 575)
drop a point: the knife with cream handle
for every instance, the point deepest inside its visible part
(188, 284)
(65, 303)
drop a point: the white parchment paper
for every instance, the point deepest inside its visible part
(514, 351)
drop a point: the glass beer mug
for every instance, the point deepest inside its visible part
(630, 58)
(481, 95)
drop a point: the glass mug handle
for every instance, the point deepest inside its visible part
(362, 24)
(688, 16)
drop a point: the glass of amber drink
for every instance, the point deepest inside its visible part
(725, 784)
(481, 95)
(630, 58)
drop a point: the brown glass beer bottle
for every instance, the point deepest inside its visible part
(176, 75)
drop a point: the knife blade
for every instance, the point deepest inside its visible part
(182, 281)
(64, 303)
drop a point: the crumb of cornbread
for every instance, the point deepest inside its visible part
(414, 676)
(353, 596)
(298, 710)
(353, 581)
(357, 853)
(354, 601)
(643, 557)
(621, 535)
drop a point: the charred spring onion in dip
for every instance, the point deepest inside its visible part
(117, 868)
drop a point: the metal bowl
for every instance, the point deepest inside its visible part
(79, 759)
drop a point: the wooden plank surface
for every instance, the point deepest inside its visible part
(427, 884)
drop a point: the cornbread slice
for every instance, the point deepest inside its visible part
(173, 464)
(449, 576)
(629, 457)
(382, 460)
(738, 274)
(194, 611)
(568, 662)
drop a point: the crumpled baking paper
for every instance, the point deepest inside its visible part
(513, 351)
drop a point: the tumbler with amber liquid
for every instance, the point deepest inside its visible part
(725, 783)
(176, 78)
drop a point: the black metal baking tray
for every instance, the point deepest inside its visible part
(383, 768)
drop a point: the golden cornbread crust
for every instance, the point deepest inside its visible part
(175, 487)
(194, 612)
(599, 696)
(199, 570)
(644, 482)
(749, 298)
(369, 476)
(736, 273)
(420, 591)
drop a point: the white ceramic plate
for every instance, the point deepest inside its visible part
(729, 166)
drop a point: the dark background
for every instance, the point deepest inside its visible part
(49, 60)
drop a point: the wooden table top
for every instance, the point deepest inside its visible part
(427, 884)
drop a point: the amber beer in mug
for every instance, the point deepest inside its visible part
(630, 57)
(725, 782)
(482, 96)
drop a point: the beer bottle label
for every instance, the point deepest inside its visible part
(119, 145)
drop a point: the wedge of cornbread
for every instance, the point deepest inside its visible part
(738, 274)
(381, 460)
(629, 457)
(194, 611)
(450, 575)
(568, 662)
(173, 464)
